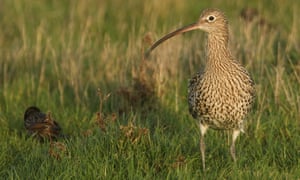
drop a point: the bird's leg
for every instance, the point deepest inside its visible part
(203, 129)
(235, 134)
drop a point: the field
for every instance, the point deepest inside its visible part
(126, 117)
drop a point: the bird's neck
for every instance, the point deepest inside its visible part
(217, 50)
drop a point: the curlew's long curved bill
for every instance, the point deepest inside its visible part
(174, 33)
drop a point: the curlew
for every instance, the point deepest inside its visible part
(222, 94)
(41, 125)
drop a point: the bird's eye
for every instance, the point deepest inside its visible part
(211, 18)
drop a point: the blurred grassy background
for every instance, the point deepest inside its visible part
(56, 54)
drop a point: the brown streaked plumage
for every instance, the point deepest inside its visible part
(41, 125)
(221, 96)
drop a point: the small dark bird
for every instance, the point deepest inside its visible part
(222, 95)
(41, 125)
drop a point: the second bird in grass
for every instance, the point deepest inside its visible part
(222, 95)
(41, 125)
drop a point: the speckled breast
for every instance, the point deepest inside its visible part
(220, 103)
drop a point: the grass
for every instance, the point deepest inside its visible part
(57, 54)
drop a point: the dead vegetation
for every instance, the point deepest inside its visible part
(129, 132)
(133, 133)
(142, 91)
(57, 150)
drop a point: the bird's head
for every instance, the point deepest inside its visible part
(212, 21)
(30, 111)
